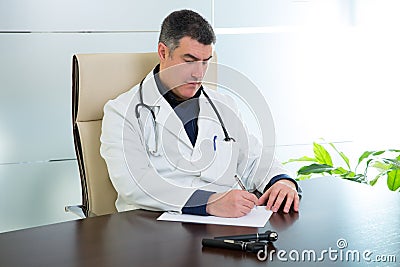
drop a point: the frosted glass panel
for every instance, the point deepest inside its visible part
(260, 13)
(340, 85)
(35, 95)
(91, 15)
(36, 194)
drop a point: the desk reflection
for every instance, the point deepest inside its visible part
(238, 255)
(281, 221)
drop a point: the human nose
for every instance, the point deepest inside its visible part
(199, 69)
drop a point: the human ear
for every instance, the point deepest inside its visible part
(162, 51)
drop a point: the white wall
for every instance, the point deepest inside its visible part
(327, 69)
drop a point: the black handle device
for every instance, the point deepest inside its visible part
(267, 236)
(234, 245)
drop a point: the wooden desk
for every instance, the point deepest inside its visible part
(331, 209)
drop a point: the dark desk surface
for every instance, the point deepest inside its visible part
(331, 209)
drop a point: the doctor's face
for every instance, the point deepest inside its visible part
(183, 69)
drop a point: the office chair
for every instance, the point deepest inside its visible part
(97, 78)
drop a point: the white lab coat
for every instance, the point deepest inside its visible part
(165, 181)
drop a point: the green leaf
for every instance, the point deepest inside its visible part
(366, 167)
(381, 166)
(322, 155)
(393, 162)
(368, 162)
(351, 174)
(315, 168)
(359, 178)
(377, 153)
(393, 179)
(304, 158)
(364, 156)
(373, 181)
(303, 177)
(340, 171)
(342, 155)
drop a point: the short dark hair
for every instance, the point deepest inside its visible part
(184, 23)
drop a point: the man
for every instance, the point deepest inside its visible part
(172, 144)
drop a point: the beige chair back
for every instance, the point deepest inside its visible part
(96, 79)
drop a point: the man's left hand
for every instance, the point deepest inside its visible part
(276, 195)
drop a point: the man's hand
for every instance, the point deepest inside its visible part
(277, 193)
(235, 203)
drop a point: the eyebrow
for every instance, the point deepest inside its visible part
(196, 58)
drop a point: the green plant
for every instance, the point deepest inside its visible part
(375, 164)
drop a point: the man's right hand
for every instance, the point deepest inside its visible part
(235, 203)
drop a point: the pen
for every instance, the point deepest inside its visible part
(255, 192)
(215, 144)
(240, 183)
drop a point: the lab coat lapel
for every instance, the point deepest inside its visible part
(166, 117)
(206, 126)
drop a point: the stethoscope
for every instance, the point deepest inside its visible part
(141, 104)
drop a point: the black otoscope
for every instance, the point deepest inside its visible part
(234, 244)
(250, 243)
(267, 236)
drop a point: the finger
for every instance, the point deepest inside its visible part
(278, 201)
(271, 199)
(289, 201)
(246, 210)
(296, 202)
(263, 198)
(254, 198)
(251, 197)
(241, 211)
(248, 202)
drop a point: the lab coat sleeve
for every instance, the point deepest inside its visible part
(137, 183)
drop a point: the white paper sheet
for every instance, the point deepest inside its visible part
(258, 217)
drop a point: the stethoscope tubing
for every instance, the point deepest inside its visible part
(143, 105)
